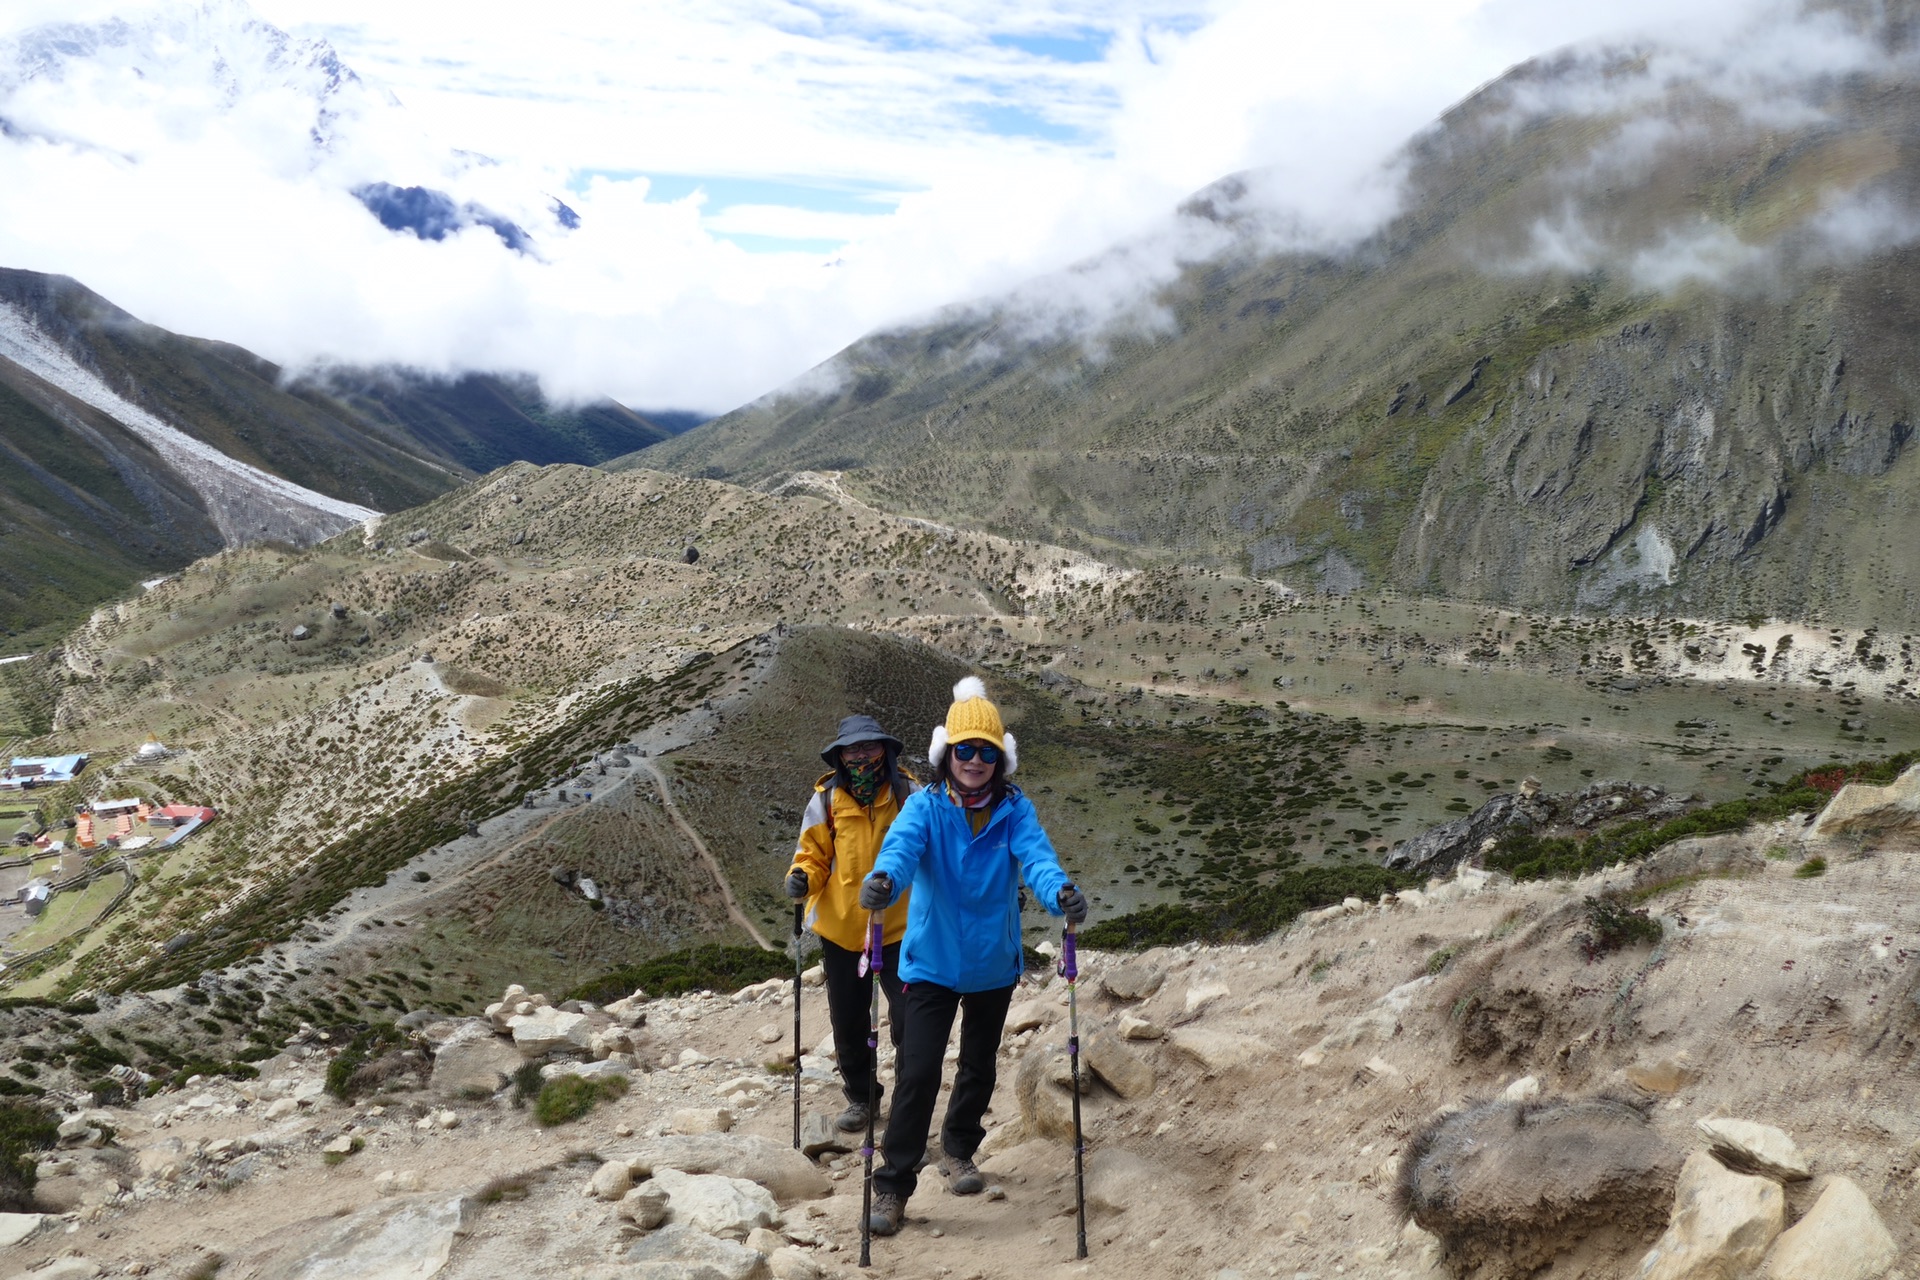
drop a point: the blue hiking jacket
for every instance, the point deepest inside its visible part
(963, 923)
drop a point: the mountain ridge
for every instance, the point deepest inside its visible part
(1635, 356)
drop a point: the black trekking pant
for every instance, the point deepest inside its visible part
(928, 1013)
(849, 997)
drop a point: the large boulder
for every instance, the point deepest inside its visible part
(1439, 849)
(548, 1030)
(678, 1252)
(1875, 815)
(1137, 978)
(1046, 1109)
(1722, 1224)
(1841, 1238)
(1505, 1186)
(15, 1227)
(716, 1204)
(474, 1061)
(1116, 1065)
(776, 1166)
(405, 1238)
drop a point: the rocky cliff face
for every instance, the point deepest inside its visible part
(1634, 343)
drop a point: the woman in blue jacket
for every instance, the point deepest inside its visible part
(963, 846)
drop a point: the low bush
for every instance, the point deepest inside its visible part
(369, 1060)
(566, 1098)
(1811, 868)
(25, 1128)
(1242, 917)
(1613, 925)
(1525, 856)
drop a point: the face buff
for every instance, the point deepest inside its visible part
(864, 778)
(970, 799)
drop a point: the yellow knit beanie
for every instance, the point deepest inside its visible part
(972, 717)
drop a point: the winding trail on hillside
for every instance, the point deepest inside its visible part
(653, 771)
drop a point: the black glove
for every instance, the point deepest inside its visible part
(1073, 905)
(796, 884)
(876, 892)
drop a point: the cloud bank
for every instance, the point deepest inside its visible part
(196, 162)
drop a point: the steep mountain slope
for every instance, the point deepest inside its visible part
(483, 421)
(1635, 341)
(135, 450)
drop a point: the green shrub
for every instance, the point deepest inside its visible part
(1612, 925)
(1251, 913)
(357, 1068)
(25, 1127)
(713, 967)
(566, 1098)
(526, 1083)
(1811, 868)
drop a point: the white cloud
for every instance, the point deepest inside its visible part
(178, 176)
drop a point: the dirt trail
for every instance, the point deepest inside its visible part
(1266, 1134)
(738, 916)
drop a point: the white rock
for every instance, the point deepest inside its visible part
(814, 977)
(1755, 1148)
(611, 1181)
(405, 1238)
(645, 1206)
(1721, 1226)
(1136, 1028)
(700, 1120)
(691, 1057)
(547, 1029)
(1218, 1051)
(15, 1227)
(716, 1204)
(396, 1182)
(1203, 994)
(1029, 1014)
(764, 1240)
(678, 1252)
(769, 1033)
(1525, 1089)
(1841, 1238)
(281, 1108)
(789, 1263)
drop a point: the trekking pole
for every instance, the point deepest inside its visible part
(798, 910)
(1070, 969)
(871, 962)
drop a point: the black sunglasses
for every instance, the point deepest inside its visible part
(968, 750)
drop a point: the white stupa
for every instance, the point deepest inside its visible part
(152, 749)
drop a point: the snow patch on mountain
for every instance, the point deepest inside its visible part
(246, 504)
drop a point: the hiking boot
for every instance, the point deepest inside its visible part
(889, 1212)
(853, 1119)
(964, 1177)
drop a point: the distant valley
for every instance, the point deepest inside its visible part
(132, 451)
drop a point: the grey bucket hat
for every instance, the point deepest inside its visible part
(859, 729)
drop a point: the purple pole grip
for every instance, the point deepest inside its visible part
(1070, 961)
(875, 954)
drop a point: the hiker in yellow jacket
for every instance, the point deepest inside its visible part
(851, 809)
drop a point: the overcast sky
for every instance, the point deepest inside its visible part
(759, 182)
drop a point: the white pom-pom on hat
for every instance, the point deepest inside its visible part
(971, 687)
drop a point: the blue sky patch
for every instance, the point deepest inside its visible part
(725, 192)
(1084, 45)
(1010, 121)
